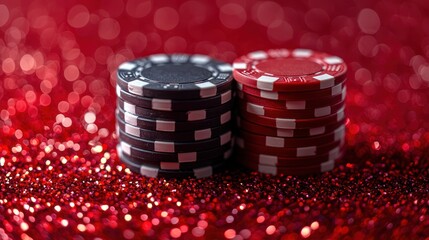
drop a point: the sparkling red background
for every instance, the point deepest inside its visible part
(60, 176)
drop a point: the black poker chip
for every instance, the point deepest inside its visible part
(188, 136)
(172, 126)
(175, 76)
(175, 147)
(193, 156)
(157, 172)
(191, 115)
(170, 165)
(174, 105)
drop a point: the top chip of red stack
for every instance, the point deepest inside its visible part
(286, 70)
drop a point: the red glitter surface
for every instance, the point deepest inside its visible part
(60, 176)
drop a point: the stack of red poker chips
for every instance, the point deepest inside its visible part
(291, 106)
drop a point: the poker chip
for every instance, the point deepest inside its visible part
(278, 132)
(294, 123)
(192, 156)
(287, 113)
(289, 70)
(279, 161)
(296, 152)
(175, 147)
(173, 116)
(181, 165)
(174, 105)
(292, 170)
(172, 170)
(224, 154)
(191, 115)
(291, 111)
(171, 125)
(284, 142)
(196, 135)
(175, 76)
(292, 96)
(294, 104)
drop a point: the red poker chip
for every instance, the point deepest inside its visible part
(292, 170)
(291, 123)
(289, 70)
(278, 161)
(260, 110)
(278, 132)
(281, 142)
(293, 104)
(297, 152)
(291, 96)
